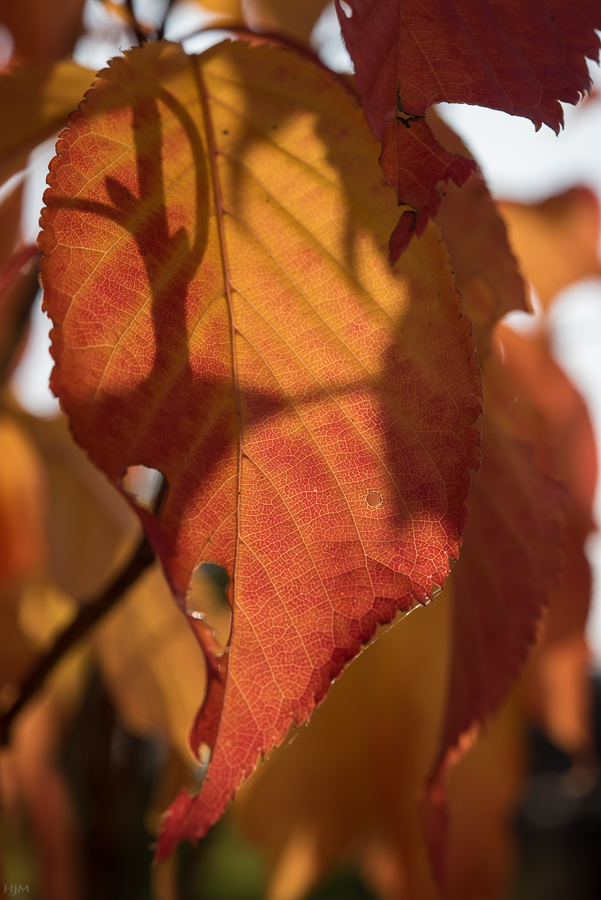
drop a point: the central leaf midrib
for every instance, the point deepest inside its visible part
(219, 214)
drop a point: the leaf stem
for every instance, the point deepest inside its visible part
(220, 216)
(83, 622)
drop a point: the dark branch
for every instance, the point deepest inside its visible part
(16, 303)
(163, 25)
(86, 618)
(139, 32)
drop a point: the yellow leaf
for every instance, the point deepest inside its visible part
(557, 240)
(23, 504)
(152, 662)
(34, 104)
(293, 20)
(91, 529)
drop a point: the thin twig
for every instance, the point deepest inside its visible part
(86, 618)
(163, 25)
(141, 36)
(16, 301)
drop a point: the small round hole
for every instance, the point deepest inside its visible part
(374, 499)
(204, 754)
(143, 485)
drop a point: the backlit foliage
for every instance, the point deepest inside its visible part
(280, 289)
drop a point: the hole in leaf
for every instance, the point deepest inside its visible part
(204, 754)
(208, 596)
(143, 485)
(374, 499)
(346, 9)
(219, 577)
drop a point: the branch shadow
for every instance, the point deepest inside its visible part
(179, 395)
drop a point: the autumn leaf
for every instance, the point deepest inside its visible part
(90, 531)
(152, 664)
(18, 281)
(30, 780)
(36, 803)
(231, 9)
(347, 786)
(351, 778)
(557, 239)
(32, 783)
(42, 30)
(34, 103)
(515, 556)
(557, 685)
(511, 556)
(407, 56)
(486, 270)
(306, 806)
(22, 504)
(326, 468)
(293, 21)
(557, 242)
(149, 657)
(503, 581)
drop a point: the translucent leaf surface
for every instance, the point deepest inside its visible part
(486, 271)
(216, 270)
(42, 30)
(557, 240)
(520, 58)
(34, 104)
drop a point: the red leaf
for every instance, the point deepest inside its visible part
(418, 168)
(511, 557)
(558, 688)
(225, 312)
(510, 561)
(486, 271)
(520, 58)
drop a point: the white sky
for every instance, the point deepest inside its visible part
(517, 162)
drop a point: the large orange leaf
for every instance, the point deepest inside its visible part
(520, 58)
(224, 310)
